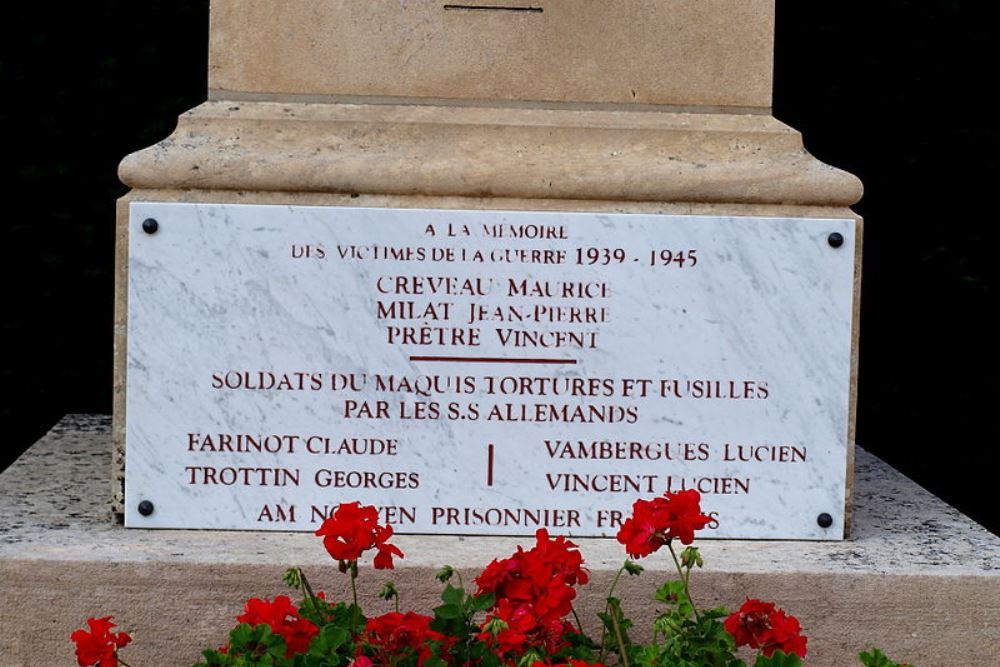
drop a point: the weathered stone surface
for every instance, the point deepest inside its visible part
(917, 577)
(490, 153)
(632, 52)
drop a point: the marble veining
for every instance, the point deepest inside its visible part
(224, 297)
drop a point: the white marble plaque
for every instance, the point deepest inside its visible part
(485, 372)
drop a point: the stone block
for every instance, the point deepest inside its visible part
(916, 577)
(709, 53)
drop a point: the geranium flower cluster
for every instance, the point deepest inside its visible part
(534, 592)
(395, 636)
(655, 522)
(98, 647)
(352, 530)
(517, 618)
(283, 618)
(762, 626)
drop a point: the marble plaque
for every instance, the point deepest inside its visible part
(485, 372)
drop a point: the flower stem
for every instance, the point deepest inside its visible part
(579, 625)
(307, 589)
(614, 583)
(608, 612)
(684, 578)
(352, 573)
(618, 637)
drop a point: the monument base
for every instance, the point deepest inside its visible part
(917, 578)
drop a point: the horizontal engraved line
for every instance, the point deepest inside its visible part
(493, 360)
(494, 8)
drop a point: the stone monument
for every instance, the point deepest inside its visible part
(491, 267)
(576, 261)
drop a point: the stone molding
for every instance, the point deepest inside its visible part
(527, 153)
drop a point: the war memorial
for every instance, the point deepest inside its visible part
(489, 268)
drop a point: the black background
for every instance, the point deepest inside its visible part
(893, 91)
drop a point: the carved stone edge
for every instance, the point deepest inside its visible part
(561, 154)
(120, 356)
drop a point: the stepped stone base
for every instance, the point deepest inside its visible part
(917, 578)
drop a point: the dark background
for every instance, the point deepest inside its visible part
(892, 91)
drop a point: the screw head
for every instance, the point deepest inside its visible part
(835, 240)
(150, 226)
(824, 520)
(146, 508)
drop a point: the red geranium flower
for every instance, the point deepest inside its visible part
(527, 573)
(762, 626)
(353, 529)
(393, 636)
(543, 577)
(99, 647)
(655, 522)
(383, 559)
(513, 628)
(751, 622)
(514, 622)
(555, 558)
(572, 662)
(283, 618)
(534, 591)
(498, 573)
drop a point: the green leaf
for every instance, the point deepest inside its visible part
(673, 593)
(445, 574)
(349, 616)
(452, 595)
(483, 602)
(718, 612)
(257, 646)
(580, 647)
(449, 611)
(212, 657)
(779, 659)
(878, 659)
(240, 636)
(332, 637)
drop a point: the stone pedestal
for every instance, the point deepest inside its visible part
(917, 578)
(636, 106)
